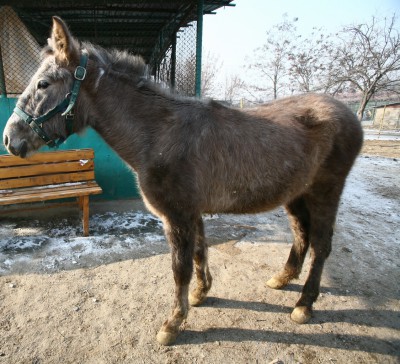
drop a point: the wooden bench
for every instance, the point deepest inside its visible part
(50, 176)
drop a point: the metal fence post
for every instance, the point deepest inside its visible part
(173, 61)
(3, 91)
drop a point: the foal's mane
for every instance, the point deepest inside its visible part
(116, 60)
(128, 67)
(113, 59)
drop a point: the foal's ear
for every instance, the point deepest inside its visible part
(65, 46)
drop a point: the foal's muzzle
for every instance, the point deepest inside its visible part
(13, 140)
(19, 149)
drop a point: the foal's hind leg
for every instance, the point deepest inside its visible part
(300, 223)
(180, 232)
(204, 279)
(322, 204)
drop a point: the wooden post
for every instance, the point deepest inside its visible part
(381, 123)
(83, 202)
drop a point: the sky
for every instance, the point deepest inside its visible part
(234, 32)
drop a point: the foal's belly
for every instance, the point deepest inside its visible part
(248, 201)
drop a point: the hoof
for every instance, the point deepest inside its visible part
(195, 300)
(301, 314)
(276, 283)
(166, 338)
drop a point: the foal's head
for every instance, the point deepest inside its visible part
(51, 84)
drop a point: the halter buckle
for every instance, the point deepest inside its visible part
(33, 124)
(69, 115)
(80, 73)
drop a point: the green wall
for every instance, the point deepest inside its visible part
(112, 174)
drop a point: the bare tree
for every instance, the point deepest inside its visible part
(233, 85)
(270, 60)
(310, 63)
(209, 72)
(186, 75)
(369, 58)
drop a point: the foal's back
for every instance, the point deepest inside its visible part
(261, 158)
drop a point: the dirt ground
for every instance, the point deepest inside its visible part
(383, 148)
(108, 310)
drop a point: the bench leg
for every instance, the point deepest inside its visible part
(83, 202)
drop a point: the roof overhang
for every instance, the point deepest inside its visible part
(142, 27)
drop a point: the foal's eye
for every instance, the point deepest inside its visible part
(42, 84)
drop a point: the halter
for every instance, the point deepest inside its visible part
(64, 107)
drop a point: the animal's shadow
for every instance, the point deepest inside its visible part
(342, 341)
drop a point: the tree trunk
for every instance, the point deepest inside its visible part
(363, 105)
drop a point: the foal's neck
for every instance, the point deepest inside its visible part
(127, 113)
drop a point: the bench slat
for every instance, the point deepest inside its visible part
(47, 157)
(46, 180)
(48, 168)
(52, 188)
(51, 195)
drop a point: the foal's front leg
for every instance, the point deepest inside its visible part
(180, 233)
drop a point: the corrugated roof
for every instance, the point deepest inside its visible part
(143, 27)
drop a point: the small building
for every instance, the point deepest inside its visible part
(387, 116)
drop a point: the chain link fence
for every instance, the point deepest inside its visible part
(19, 53)
(185, 76)
(179, 71)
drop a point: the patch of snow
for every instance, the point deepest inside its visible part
(369, 213)
(60, 245)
